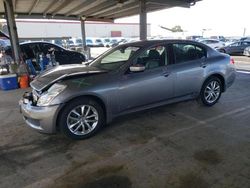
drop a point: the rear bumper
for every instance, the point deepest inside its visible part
(230, 78)
(43, 119)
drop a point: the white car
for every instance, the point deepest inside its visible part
(75, 42)
(106, 41)
(213, 43)
(94, 42)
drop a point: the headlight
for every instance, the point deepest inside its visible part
(48, 96)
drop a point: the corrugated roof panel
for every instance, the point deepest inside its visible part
(101, 10)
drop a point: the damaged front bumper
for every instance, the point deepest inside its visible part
(40, 118)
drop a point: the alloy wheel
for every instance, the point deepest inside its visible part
(82, 119)
(212, 91)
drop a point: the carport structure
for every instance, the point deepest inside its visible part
(83, 10)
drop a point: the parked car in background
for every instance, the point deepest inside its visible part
(77, 42)
(94, 42)
(70, 44)
(231, 40)
(236, 48)
(98, 42)
(247, 51)
(105, 42)
(63, 56)
(212, 43)
(245, 38)
(79, 100)
(58, 42)
(113, 42)
(4, 43)
(194, 37)
(123, 41)
(220, 38)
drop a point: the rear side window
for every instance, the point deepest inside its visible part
(187, 52)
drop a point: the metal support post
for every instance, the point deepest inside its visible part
(143, 20)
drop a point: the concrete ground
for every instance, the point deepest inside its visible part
(182, 145)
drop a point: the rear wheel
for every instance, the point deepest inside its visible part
(211, 91)
(81, 118)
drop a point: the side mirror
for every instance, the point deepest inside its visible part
(137, 68)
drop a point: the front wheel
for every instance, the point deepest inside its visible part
(81, 118)
(211, 91)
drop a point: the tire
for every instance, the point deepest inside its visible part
(81, 118)
(215, 85)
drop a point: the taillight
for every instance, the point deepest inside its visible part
(231, 61)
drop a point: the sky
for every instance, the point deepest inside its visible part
(218, 17)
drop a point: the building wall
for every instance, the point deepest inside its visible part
(28, 29)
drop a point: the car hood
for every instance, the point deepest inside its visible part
(50, 76)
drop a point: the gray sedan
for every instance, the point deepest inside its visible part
(235, 48)
(78, 100)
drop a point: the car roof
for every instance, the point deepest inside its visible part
(241, 41)
(153, 42)
(44, 42)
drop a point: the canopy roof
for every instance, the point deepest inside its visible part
(93, 10)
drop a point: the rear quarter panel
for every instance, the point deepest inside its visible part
(218, 63)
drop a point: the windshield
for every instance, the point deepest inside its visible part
(115, 58)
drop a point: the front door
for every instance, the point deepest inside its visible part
(153, 85)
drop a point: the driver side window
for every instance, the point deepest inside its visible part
(153, 57)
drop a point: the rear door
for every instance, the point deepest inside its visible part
(189, 64)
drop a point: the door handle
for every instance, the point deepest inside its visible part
(203, 65)
(166, 74)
